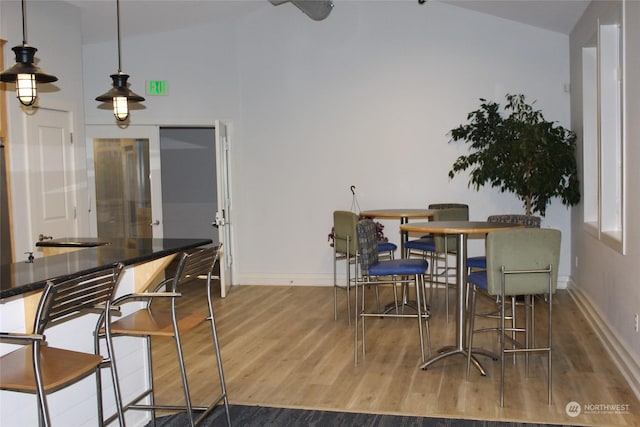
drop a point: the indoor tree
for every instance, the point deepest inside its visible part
(518, 151)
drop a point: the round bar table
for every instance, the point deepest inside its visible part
(461, 229)
(403, 215)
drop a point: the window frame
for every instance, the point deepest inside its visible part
(603, 109)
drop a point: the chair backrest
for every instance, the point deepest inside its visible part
(84, 293)
(197, 264)
(344, 230)
(367, 244)
(448, 206)
(449, 214)
(528, 221)
(523, 249)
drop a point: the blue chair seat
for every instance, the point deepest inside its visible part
(426, 244)
(386, 247)
(477, 262)
(479, 279)
(399, 267)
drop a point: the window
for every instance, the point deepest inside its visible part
(590, 137)
(603, 138)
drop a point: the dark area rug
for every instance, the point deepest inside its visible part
(260, 416)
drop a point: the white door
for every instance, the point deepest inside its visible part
(151, 137)
(223, 218)
(50, 179)
(222, 163)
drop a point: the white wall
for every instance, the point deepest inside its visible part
(365, 98)
(53, 27)
(606, 282)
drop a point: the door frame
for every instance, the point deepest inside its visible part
(224, 215)
(227, 266)
(152, 133)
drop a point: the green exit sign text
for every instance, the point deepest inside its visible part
(157, 87)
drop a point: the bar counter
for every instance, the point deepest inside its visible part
(20, 291)
(23, 277)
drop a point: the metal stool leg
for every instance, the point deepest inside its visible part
(216, 344)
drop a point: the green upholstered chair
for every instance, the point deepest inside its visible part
(521, 262)
(528, 221)
(437, 249)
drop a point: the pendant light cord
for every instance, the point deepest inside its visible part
(118, 25)
(24, 25)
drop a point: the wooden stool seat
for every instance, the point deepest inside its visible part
(155, 322)
(59, 368)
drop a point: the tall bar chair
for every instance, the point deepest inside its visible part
(154, 321)
(520, 262)
(416, 246)
(438, 248)
(39, 368)
(479, 263)
(375, 272)
(528, 221)
(345, 248)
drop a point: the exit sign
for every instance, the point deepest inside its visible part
(157, 87)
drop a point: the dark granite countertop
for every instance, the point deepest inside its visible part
(23, 277)
(73, 242)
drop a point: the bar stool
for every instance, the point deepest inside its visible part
(519, 262)
(39, 368)
(173, 322)
(438, 248)
(528, 221)
(345, 248)
(479, 263)
(374, 272)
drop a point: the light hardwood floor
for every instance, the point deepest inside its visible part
(281, 347)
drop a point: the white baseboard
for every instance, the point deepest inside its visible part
(628, 366)
(301, 279)
(286, 279)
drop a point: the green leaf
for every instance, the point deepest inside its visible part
(519, 152)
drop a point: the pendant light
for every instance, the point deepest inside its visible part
(119, 95)
(25, 74)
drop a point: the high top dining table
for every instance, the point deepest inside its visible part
(403, 215)
(461, 229)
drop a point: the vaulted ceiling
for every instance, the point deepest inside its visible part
(555, 15)
(148, 16)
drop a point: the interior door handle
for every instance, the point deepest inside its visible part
(220, 220)
(156, 222)
(42, 237)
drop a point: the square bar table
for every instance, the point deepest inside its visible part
(461, 229)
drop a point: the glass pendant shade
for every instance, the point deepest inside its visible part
(120, 96)
(25, 74)
(26, 90)
(120, 108)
